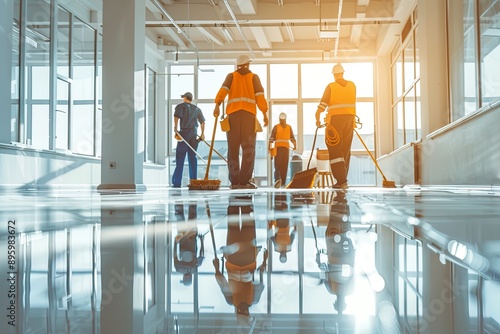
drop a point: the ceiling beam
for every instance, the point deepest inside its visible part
(260, 37)
(360, 14)
(209, 35)
(247, 7)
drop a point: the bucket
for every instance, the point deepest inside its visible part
(322, 160)
(322, 154)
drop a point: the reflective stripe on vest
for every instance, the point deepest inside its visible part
(342, 99)
(238, 99)
(337, 160)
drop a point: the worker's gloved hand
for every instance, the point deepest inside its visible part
(217, 111)
(266, 120)
(202, 137)
(318, 124)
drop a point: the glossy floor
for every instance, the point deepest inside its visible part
(365, 260)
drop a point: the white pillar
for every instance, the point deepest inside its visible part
(433, 64)
(6, 12)
(123, 94)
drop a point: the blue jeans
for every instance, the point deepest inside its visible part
(180, 155)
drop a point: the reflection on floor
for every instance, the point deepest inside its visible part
(364, 260)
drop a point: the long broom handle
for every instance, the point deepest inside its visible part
(192, 149)
(314, 143)
(211, 149)
(371, 156)
(218, 153)
(212, 234)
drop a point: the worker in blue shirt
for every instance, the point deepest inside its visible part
(187, 116)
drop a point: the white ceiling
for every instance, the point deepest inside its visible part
(215, 30)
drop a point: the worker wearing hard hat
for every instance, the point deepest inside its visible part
(245, 95)
(279, 146)
(339, 101)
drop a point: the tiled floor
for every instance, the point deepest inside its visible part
(367, 260)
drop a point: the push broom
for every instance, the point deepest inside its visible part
(305, 178)
(207, 184)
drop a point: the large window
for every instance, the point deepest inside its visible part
(14, 76)
(83, 89)
(299, 105)
(150, 129)
(461, 49)
(67, 77)
(405, 73)
(37, 78)
(489, 30)
(473, 74)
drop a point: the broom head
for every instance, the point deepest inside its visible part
(304, 179)
(204, 184)
(388, 184)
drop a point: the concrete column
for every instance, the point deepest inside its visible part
(123, 94)
(383, 107)
(6, 12)
(433, 64)
(122, 271)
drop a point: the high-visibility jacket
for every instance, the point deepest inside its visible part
(242, 95)
(342, 99)
(283, 136)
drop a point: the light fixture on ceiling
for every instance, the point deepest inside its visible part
(176, 60)
(328, 34)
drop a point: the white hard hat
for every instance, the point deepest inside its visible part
(242, 60)
(337, 69)
(282, 115)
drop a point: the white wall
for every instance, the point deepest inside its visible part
(466, 152)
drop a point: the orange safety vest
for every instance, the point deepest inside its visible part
(241, 95)
(342, 99)
(282, 136)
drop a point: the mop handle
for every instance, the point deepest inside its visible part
(192, 149)
(371, 156)
(218, 153)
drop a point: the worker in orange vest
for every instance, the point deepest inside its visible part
(281, 136)
(339, 101)
(245, 93)
(241, 288)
